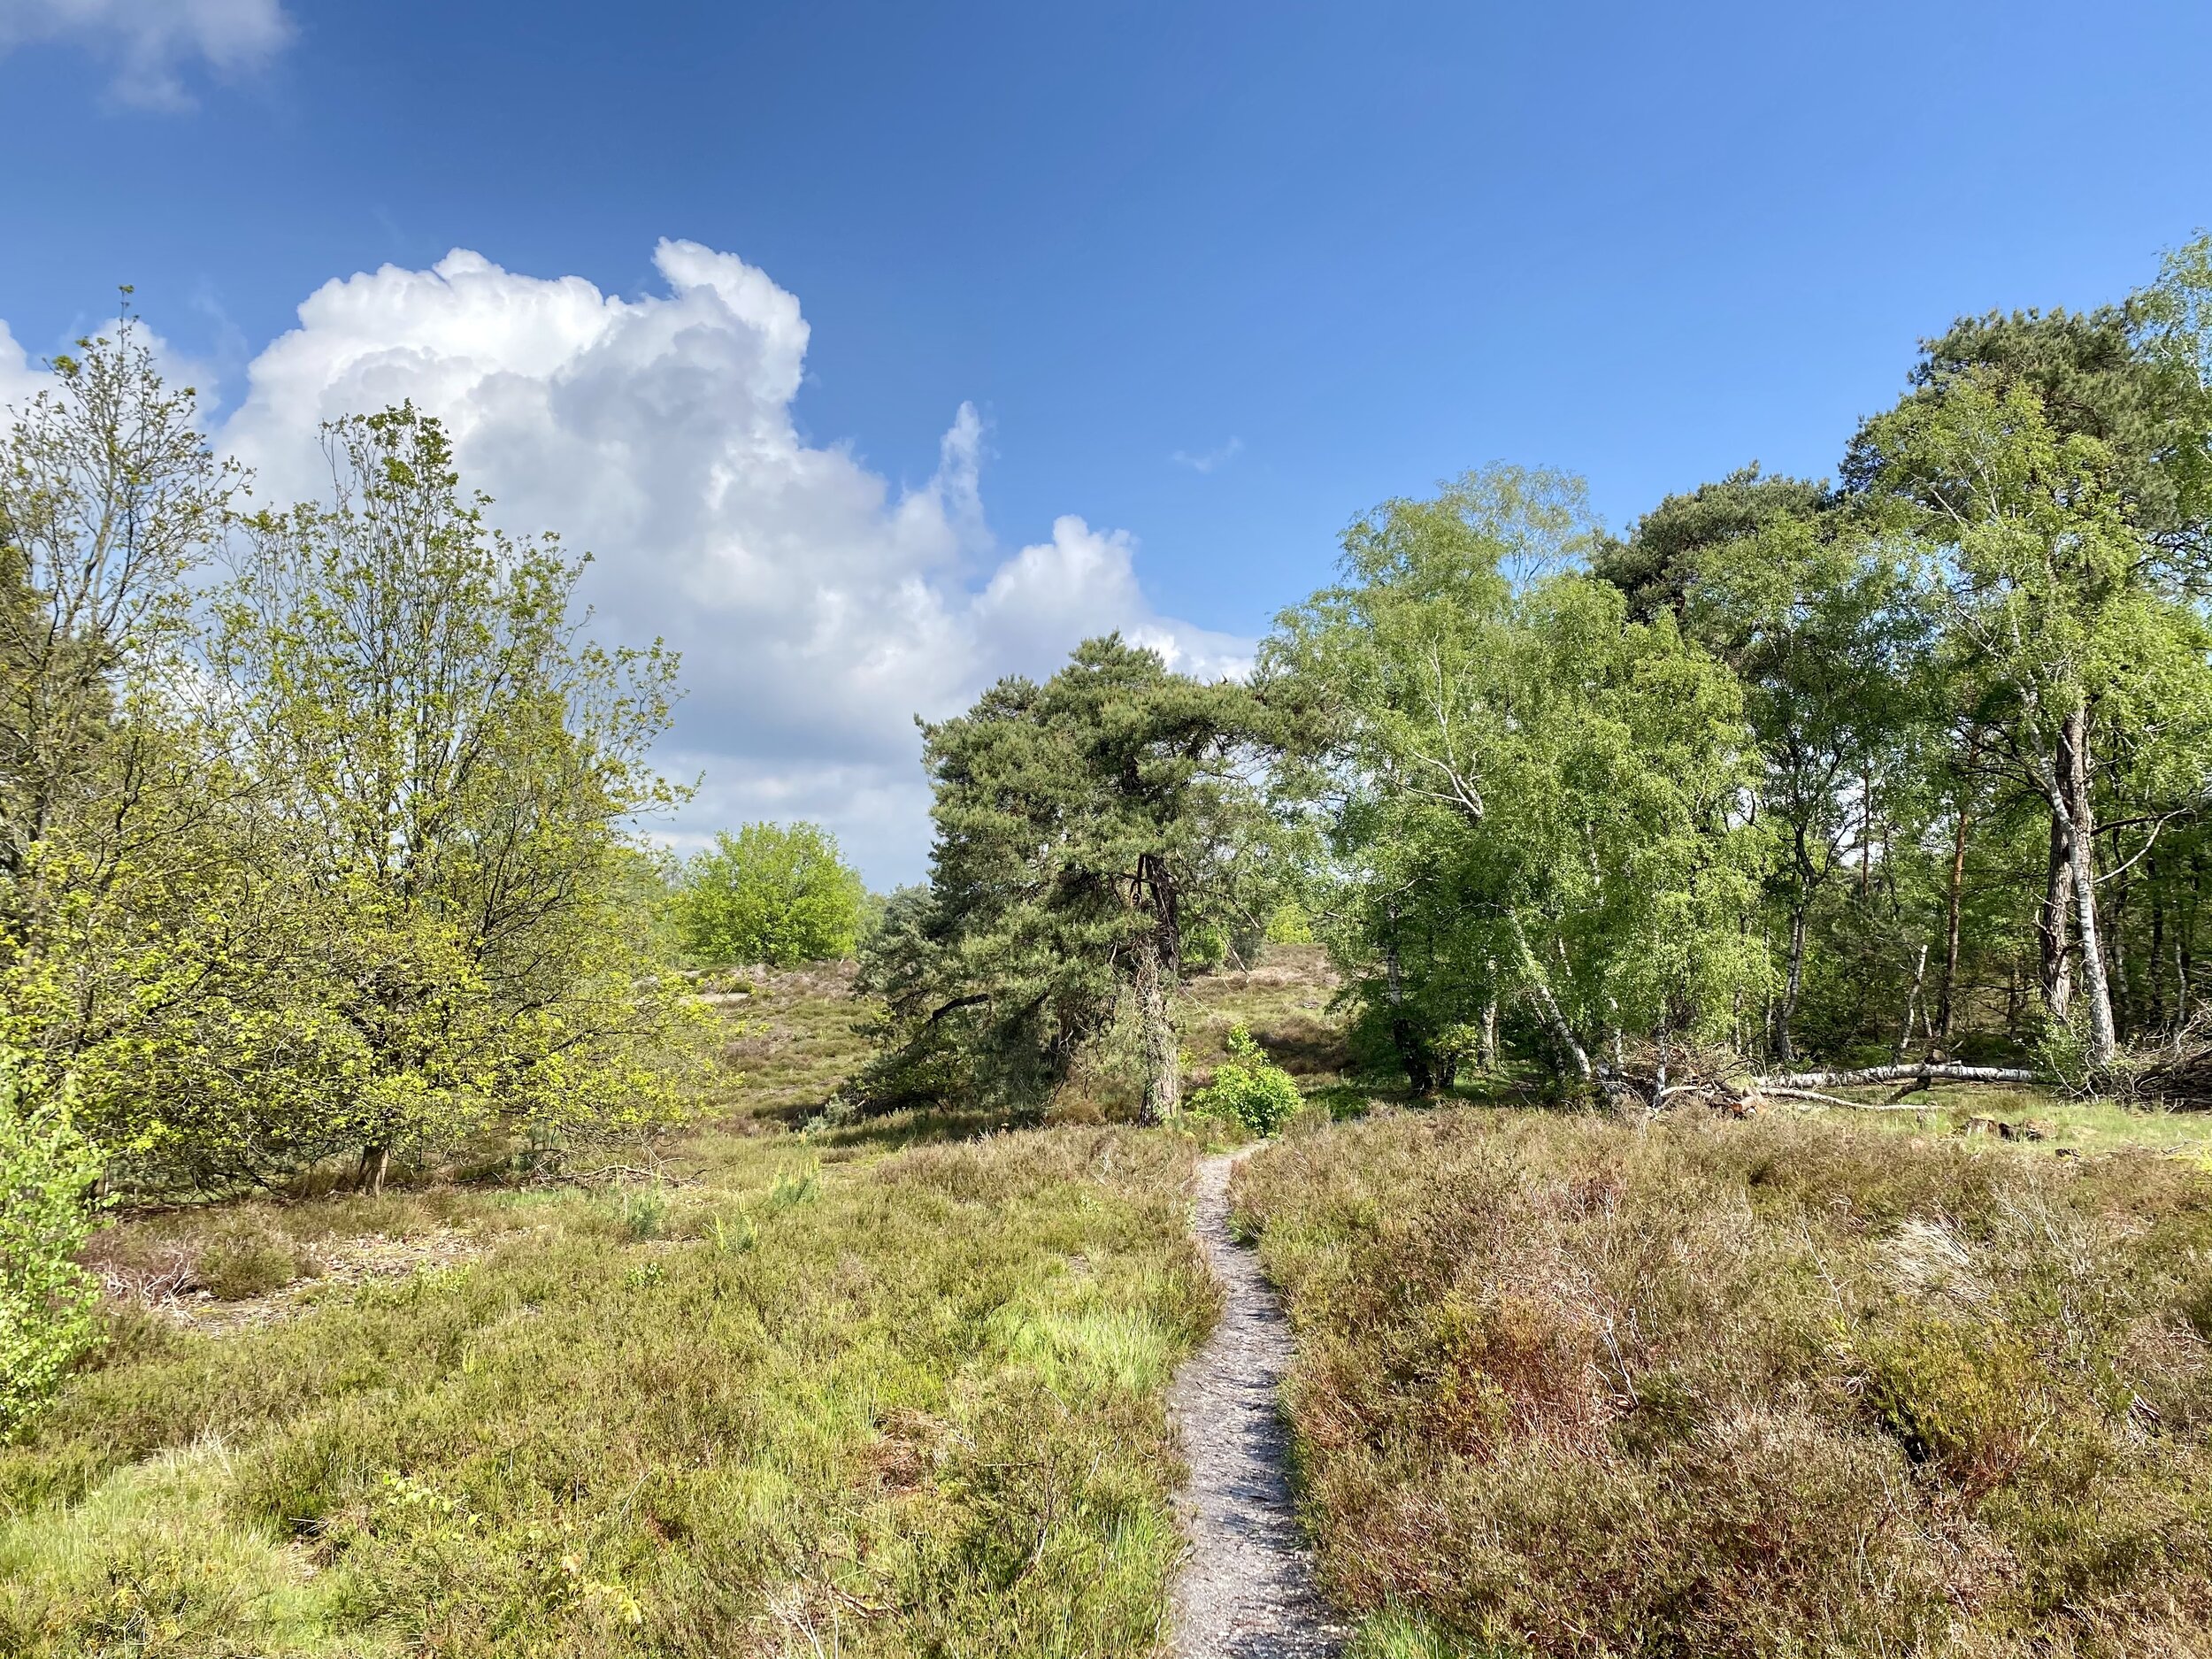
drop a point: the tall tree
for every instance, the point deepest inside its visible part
(2077, 624)
(1824, 627)
(2130, 381)
(1082, 826)
(452, 769)
(1514, 766)
(110, 500)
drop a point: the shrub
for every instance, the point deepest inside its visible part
(1966, 1400)
(46, 1299)
(1250, 1089)
(1568, 1387)
(644, 1212)
(771, 892)
(246, 1261)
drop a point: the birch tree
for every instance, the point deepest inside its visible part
(1516, 768)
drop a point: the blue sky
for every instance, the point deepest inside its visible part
(1329, 253)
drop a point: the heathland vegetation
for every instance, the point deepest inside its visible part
(439, 1221)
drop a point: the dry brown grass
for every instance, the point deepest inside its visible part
(1567, 1387)
(1284, 1002)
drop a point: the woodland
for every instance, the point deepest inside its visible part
(1907, 766)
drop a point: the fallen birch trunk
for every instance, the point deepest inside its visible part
(1923, 1073)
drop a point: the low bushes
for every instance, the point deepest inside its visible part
(1569, 1387)
(1250, 1088)
(911, 1406)
(46, 1299)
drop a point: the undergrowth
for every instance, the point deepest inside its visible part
(832, 1393)
(1567, 1387)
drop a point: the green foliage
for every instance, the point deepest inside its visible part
(1960, 1395)
(1085, 827)
(1250, 1088)
(332, 857)
(110, 503)
(1917, 763)
(771, 892)
(47, 1173)
(1665, 549)
(1529, 799)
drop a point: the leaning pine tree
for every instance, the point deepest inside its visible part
(1084, 826)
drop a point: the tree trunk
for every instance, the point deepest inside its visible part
(1548, 1005)
(376, 1160)
(2103, 1040)
(2156, 965)
(1413, 1054)
(2112, 927)
(1912, 1001)
(2184, 932)
(1159, 973)
(1866, 831)
(1489, 1049)
(1863, 1075)
(1951, 929)
(1163, 1072)
(1785, 1044)
(2050, 921)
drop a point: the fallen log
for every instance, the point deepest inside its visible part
(1926, 1072)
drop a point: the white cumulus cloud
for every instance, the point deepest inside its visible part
(818, 608)
(150, 43)
(19, 380)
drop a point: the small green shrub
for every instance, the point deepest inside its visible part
(732, 1235)
(1250, 1088)
(47, 1301)
(1965, 1398)
(644, 1212)
(794, 1186)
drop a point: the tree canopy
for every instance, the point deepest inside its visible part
(326, 854)
(1915, 761)
(1084, 825)
(770, 892)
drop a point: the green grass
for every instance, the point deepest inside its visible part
(1826, 1382)
(2079, 1125)
(1567, 1386)
(864, 1392)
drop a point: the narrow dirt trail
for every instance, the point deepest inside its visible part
(1246, 1589)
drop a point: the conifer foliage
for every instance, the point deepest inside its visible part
(1084, 826)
